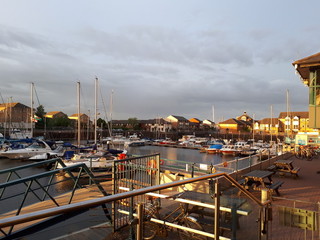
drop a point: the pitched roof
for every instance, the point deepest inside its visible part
(208, 121)
(269, 120)
(283, 115)
(75, 116)
(195, 120)
(303, 65)
(180, 118)
(234, 121)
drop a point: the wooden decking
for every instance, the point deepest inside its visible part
(82, 194)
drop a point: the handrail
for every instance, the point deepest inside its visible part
(10, 221)
(30, 165)
(40, 175)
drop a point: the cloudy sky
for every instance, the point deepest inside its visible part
(158, 57)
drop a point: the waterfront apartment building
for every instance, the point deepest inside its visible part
(84, 119)
(268, 125)
(178, 122)
(308, 69)
(15, 116)
(55, 114)
(294, 122)
(156, 125)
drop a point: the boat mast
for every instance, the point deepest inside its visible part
(253, 116)
(31, 111)
(78, 92)
(95, 111)
(287, 118)
(271, 124)
(111, 110)
(213, 113)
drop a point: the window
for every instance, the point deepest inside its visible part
(314, 88)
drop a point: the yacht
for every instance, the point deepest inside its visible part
(36, 148)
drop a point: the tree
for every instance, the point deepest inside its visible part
(39, 117)
(59, 122)
(102, 122)
(134, 123)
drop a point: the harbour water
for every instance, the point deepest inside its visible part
(182, 154)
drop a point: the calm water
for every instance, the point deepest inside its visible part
(187, 155)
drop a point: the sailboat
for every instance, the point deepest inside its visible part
(96, 159)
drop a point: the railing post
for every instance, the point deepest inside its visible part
(265, 195)
(217, 211)
(140, 215)
(192, 170)
(114, 167)
(131, 218)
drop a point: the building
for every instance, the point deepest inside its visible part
(178, 122)
(56, 114)
(309, 71)
(233, 125)
(156, 125)
(268, 125)
(84, 119)
(208, 123)
(15, 116)
(294, 122)
(245, 117)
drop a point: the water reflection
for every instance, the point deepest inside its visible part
(181, 154)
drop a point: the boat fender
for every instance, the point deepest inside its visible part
(161, 161)
(225, 164)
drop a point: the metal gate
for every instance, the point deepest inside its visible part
(130, 174)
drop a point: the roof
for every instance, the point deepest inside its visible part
(194, 120)
(269, 120)
(303, 65)
(283, 115)
(154, 121)
(180, 118)
(234, 121)
(75, 116)
(208, 121)
(6, 105)
(52, 114)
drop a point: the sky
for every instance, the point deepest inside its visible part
(202, 59)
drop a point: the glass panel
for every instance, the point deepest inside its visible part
(311, 96)
(317, 90)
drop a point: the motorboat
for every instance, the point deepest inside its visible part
(215, 148)
(36, 148)
(229, 150)
(234, 149)
(100, 160)
(57, 152)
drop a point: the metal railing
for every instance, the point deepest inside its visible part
(11, 221)
(42, 182)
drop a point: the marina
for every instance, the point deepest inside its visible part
(96, 222)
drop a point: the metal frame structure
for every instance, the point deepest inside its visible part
(133, 173)
(74, 207)
(34, 183)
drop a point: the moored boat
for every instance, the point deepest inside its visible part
(36, 148)
(215, 148)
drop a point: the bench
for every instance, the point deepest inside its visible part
(295, 171)
(272, 168)
(274, 187)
